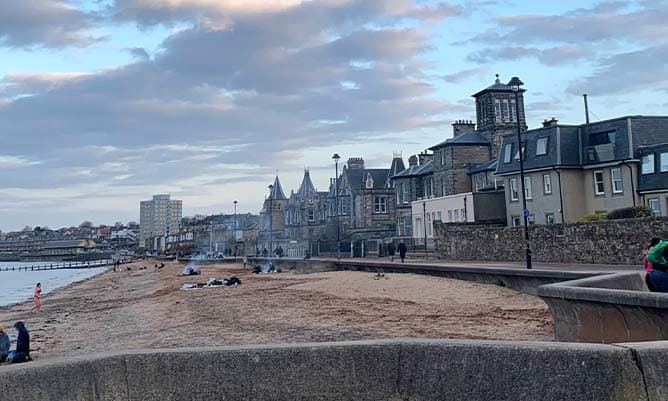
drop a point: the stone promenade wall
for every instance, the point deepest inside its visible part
(604, 242)
(383, 370)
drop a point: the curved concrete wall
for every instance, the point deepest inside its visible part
(390, 370)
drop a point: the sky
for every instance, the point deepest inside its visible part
(104, 103)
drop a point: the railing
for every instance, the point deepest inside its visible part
(63, 265)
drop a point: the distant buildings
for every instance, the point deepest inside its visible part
(158, 218)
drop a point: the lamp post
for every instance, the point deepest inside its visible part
(236, 222)
(515, 84)
(424, 221)
(336, 159)
(271, 221)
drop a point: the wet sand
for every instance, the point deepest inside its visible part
(148, 309)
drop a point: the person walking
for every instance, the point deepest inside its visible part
(390, 251)
(402, 251)
(37, 298)
(646, 263)
(4, 344)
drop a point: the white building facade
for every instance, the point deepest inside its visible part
(158, 218)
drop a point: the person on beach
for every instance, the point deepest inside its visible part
(4, 344)
(390, 251)
(22, 353)
(37, 298)
(646, 263)
(658, 276)
(402, 251)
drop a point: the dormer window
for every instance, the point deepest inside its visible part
(541, 146)
(369, 181)
(507, 152)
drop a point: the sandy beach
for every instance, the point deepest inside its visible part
(148, 309)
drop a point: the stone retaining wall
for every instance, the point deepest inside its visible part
(604, 242)
(391, 370)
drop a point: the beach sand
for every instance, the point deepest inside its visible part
(148, 309)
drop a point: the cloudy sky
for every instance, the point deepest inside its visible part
(104, 103)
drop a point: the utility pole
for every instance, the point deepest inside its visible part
(424, 216)
(271, 221)
(336, 159)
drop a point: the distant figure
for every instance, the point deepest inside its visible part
(646, 263)
(265, 253)
(37, 299)
(307, 255)
(279, 251)
(402, 251)
(390, 251)
(245, 260)
(4, 344)
(658, 276)
(22, 353)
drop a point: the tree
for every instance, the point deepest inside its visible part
(86, 224)
(26, 229)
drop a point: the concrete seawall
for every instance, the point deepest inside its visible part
(392, 370)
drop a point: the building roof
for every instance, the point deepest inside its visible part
(465, 139)
(417, 170)
(497, 86)
(357, 177)
(306, 189)
(277, 191)
(396, 167)
(487, 166)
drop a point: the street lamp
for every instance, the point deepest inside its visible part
(336, 159)
(236, 222)
(515, 84)
(424, 225)
(271, 221)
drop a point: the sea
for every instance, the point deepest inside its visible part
(18, 286)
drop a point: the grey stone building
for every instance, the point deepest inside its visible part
(306, 212)
(413, 183)
(653, 177)
(576, 170)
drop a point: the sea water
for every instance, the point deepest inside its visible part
(19, 286)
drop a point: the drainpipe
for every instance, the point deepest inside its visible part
(561, 195)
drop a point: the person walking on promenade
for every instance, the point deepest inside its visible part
(646, 263)
(22, 353)
(4, 344)
(658, 257)
(402, 251)
(37, 299)
(390, 251)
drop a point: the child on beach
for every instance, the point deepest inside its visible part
(646, 263)
(37, 298)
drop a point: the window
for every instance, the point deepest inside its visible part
(528, 192)
(547, 184)
(505, 112)
(648, 164)
(456, 214)
(516, 221)
(517, 154)
(549, 218)
(531, 219)
(404, 193)
(480, 181)
(513, 110)
(616, 176)
(442, 157)
(463, 214)
(599, 188)
(379, 204)
(439, 216)
(541, 146)
(507, 152)
(601, 138)
(311, 215)
(663, 162)
(497, 110)
(514, 194)
(655, 206)
(449, 215)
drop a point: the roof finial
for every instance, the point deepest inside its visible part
(497, 79)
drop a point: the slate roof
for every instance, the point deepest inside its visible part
(306, 189)
(414, 171)
(396, 167)
(357, 177)
(488, 166)
(497, 86)
(277, 191)
(465, 139)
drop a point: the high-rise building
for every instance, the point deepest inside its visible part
(158, 217)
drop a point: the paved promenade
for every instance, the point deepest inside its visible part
(563, 267)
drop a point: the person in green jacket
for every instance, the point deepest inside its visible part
(658, 257)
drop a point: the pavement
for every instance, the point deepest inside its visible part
(563, 267)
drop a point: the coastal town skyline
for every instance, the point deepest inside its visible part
(207, 100)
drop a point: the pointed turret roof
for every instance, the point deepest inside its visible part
(397, 167)
(306, 189)
(277, 191)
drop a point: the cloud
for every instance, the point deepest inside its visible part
(460, 76)
(222, 106)
(139, 53)
(562, 54)
(44, 23)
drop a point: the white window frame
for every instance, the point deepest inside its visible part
(656, 211)
(617, 189)
(380, 204)
(647, 165)
(513, 111)
(405, 193)
(516, 221)
(507, 153)
(663, 162)
(597, 182)
(505, 110)
(497, 110)
(311, 215)
(456, 214)
(439, 216)
(528, 189)
(542, 150)
(449, 216)
(442, 157)
(514, 191)
(549, 216)
(547, 184)
(517, 154)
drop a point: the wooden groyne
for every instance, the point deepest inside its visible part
(63, 265)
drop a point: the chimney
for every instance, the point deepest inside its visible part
(424, 157)
(355, 163)
(413, 161)
(462, 126)
(550, 123)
